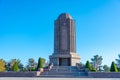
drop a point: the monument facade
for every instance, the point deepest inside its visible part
(64, 42)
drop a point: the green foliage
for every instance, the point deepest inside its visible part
(9, 65)
(118, 62)
(31, 64)
(2, 65)
(15, 67)
(33, 69)
(94, 70)
(106, 68)
(113, 67)
(97, 61)
(88, 65)
(21, 67)
(40, 63)
(43, 61)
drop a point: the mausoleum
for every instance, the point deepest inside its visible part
(64, 42)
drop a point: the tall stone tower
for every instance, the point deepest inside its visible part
(64, 42)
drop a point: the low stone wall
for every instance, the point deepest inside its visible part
(104, 74)
(32, 78)
(17, 74)
(33, 74)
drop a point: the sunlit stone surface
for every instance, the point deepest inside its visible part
(64, 42)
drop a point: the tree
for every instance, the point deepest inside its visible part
(2, 65)
(106, 68)
(113, 67)
(31, 64)
(88, 65)
(40, 63)
(10, 64)
(44, 62)
(118, 62)
(96, 61)
(15, 67)
(21, 67)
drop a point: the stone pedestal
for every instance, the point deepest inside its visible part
(64, 59)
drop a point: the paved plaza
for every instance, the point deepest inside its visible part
(20, 78)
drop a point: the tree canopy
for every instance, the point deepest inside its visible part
(118, 62)
(31, 64)
(113, 67)
(9, 65)
(40, 63)
(96, 61)
(2, 65)
(88, 65)
(106, 68)
(15, 67)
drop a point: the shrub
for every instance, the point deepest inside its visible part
(88, 65)
(40, 63)
(113, 67)
(94, 70)
(15, 67)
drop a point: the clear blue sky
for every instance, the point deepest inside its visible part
(27, 27)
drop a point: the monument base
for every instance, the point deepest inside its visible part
(69, 59)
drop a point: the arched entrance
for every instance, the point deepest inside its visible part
(64, 62)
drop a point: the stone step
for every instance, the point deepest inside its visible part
(61, 73)
(64, 68)
(63, 76)
(64, 71)
(68, 71)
